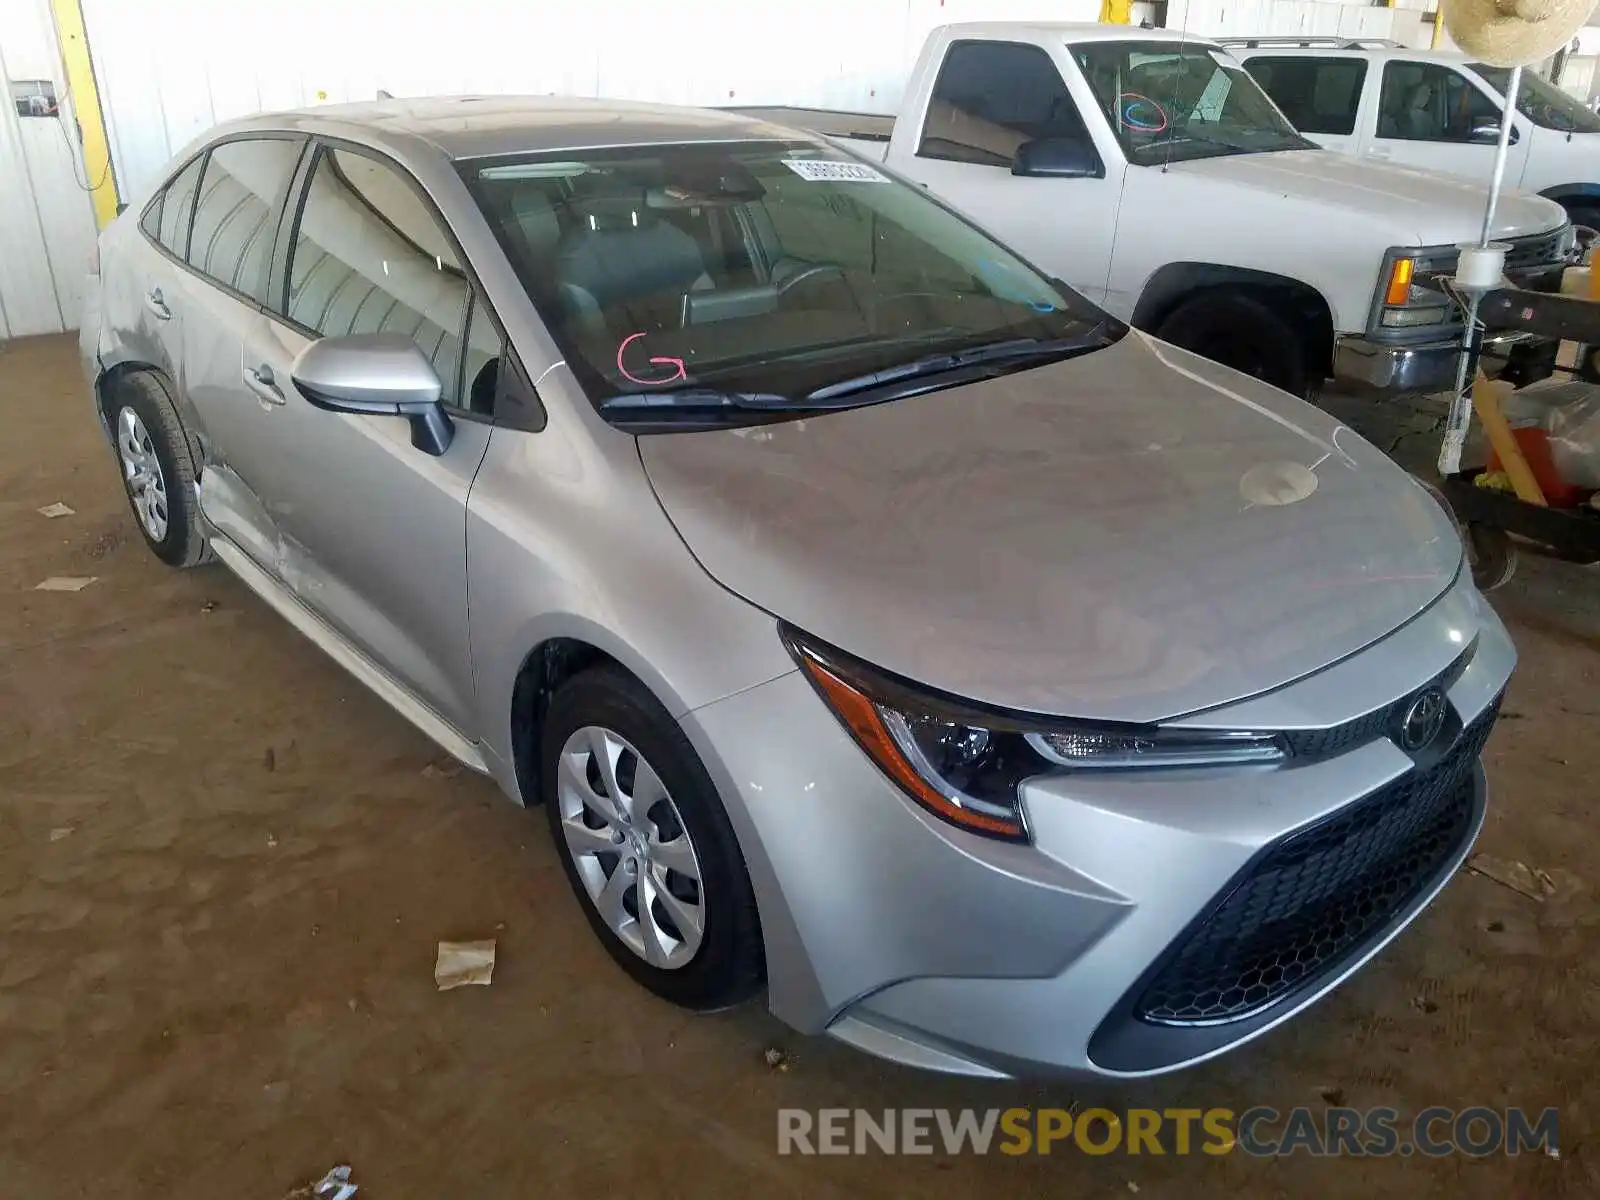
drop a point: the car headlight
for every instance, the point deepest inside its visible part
(1403, 303)
(967, 764)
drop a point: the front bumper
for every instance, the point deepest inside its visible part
(1383, 369)
(908, 938)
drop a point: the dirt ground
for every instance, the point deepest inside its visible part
(224, 870)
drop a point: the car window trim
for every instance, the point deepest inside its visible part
(301, 190)
(160, 197)
(203, 157)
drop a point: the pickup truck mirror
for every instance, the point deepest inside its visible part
(1488, 133)
(1057, 158)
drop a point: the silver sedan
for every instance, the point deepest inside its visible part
(878, 622)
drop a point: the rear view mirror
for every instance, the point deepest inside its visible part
(1487, 133)
(1057, 158)
(381, 374)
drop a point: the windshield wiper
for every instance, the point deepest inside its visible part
(695, 399)
(1015, 350)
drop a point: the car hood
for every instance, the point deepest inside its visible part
(1131, 535)
(1428, 209)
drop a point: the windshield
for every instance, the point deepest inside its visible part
(764, 271)
(1170, 102)
(1542, 102)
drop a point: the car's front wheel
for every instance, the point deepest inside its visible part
(646, 844)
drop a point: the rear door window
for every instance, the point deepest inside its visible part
(177, 207)
(1318, 95)
(236, 216)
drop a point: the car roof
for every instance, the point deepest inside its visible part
(484, 126)
(1072, 31)
(1453, 57)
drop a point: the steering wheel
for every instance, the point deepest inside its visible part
(804, 273)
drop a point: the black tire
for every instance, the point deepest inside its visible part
(730, 965)
(182, 544)
(1239, 331)
(1491, 554)
(1587, 215)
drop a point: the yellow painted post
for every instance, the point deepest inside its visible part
(1116, 12)
(1438, 23)
(74, 42)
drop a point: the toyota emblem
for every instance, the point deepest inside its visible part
(1423, 720)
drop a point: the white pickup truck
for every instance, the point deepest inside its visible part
(1149, 171)
(1441, 112)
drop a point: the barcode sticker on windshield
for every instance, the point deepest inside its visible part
(819, 170)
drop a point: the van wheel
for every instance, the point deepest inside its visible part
(1587, 215)
(158, 469)
(646, 844)
(1240, 332)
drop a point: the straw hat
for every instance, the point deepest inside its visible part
(1512, 33)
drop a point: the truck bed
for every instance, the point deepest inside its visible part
(871, 128)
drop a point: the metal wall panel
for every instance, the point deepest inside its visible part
(46, 218)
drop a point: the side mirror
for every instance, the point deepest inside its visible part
(1488, 133)
(1057, 158)
(382, 374)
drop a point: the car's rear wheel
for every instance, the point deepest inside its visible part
(1239, 331)
(646, 843)
(158, 469)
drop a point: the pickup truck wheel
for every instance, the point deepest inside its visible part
(1242, 333)
(1587, 215)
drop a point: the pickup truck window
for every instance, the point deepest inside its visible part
(1318, 95)
(1426, 102)
(1170, 102)
(1542, 102)
(990, 97)
(761, 275)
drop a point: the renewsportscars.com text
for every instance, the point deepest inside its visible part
(1260, 1132)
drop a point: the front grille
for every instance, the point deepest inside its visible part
(1320, 894)
(1336, 739)
(1540, 250)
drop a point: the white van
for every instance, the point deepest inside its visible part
(1437, 111)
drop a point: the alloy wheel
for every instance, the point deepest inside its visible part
(141, 474)
(630, 847)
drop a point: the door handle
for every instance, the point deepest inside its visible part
(1379, 152)
(261, 381)
(157, 303)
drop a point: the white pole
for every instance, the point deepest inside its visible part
(1455, 428)
(1513, 87)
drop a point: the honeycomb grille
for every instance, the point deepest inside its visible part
(1335, 739)
(1320, 894)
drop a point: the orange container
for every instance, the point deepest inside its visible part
(1535, 445)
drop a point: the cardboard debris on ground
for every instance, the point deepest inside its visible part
(59, 832)
(461, 963)
(57, 509)
(442, 768)
(65, 583)
(335, 1185)
(1518, 876)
